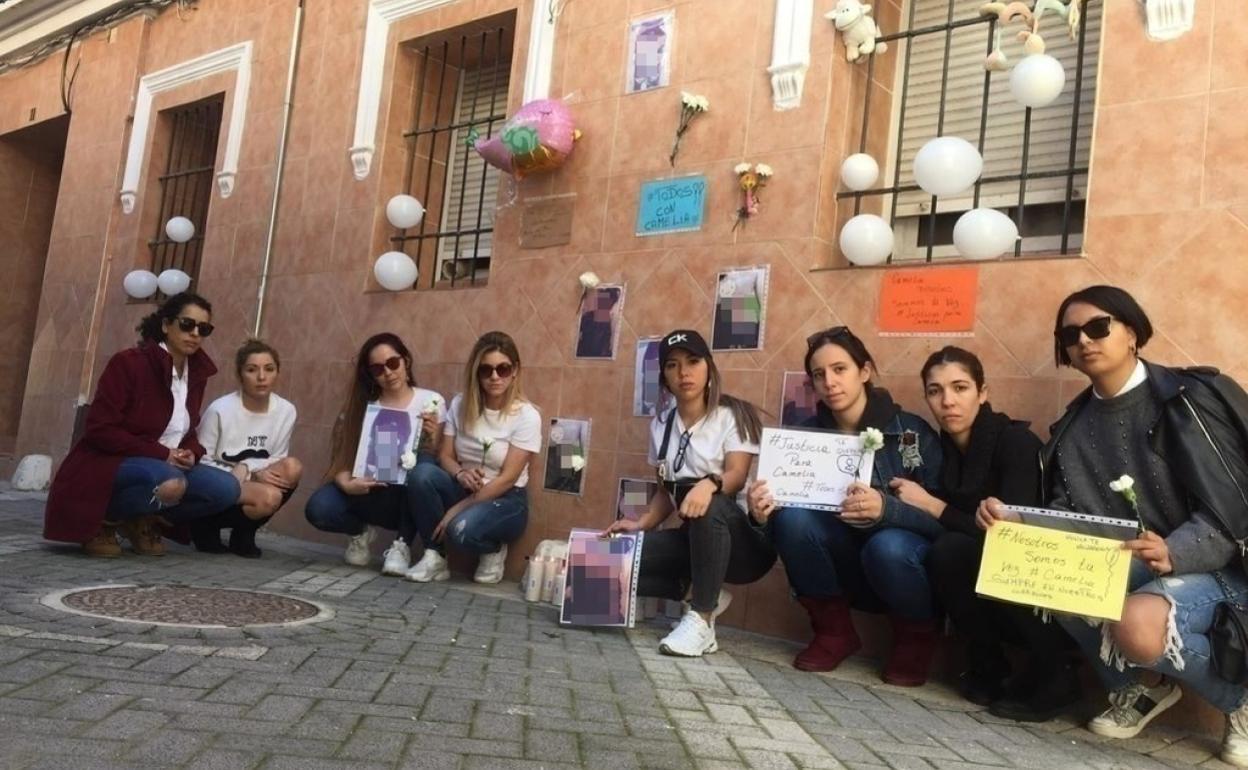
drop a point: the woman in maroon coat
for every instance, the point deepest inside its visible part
(137, 463)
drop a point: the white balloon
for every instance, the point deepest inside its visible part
(859, 171)
(1037, 80)
(173, 281)
(947, 165)
(180, 229)
(984, 234)
(404, 211)
(395, 271)
(140, 284)
(867, 240)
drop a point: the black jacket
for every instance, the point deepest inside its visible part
(1202, 435)
(1000, 461)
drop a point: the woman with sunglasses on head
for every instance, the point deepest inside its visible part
(248, 433)
(1181, 435)
(702, 449)
(986, 454)
(354, 505)
(476, 498)
(136, 467)
(872, 553)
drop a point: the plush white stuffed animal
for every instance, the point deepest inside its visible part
(859, 30)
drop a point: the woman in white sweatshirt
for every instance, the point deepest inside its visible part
(248, 432)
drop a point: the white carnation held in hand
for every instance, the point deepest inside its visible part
(984, 234)
(866, 240)
(404, 211)
(140, 284)
(859, 172)
(1037, 80)
(180, 229)
(395, 271)
(173, 281)
(947, 165)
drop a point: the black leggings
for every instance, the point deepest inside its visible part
(721, 546)
(953, 565)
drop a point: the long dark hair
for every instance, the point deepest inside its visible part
(1114, 301)
(152, 327)
(364, 388)
(744, 413)
(952, 354)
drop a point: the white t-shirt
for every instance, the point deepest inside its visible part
(231, 434)
(485, 444)
(710, 441)
(423, 400)
(180, 420)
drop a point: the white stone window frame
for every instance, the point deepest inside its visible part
(790, 52)
(235, 58)
(384, 13)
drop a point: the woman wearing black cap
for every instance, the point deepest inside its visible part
(702, 450)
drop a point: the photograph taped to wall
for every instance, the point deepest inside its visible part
(600, 584)
(567, 455)
(633, 497)
(649, 398)
(650, 52)
(740, 303)
(385, 436)
(798, 400)
(599, 328)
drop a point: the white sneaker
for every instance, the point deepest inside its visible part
(431, 567)
(1235, 741)
(490, 567)
(692, 638)
(721, 604)
(1133, 707)
(398, 558)
(358, 553)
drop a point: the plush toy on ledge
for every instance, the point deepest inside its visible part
(853, 19)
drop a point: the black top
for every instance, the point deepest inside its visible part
(1002, 461)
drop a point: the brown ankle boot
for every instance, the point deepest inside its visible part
(835, 637)
(914, 643)
(104, 545)
(144, 536)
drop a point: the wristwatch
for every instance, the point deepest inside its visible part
(717, 480)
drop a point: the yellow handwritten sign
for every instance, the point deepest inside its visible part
(1062, 571)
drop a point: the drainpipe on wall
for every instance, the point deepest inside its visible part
(296, 43)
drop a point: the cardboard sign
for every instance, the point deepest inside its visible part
(1063, 571)
(546, 221)
(671, 205)
(810, 469)
(928, 302)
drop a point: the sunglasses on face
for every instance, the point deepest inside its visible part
(392, 363)
(186, 324)
(1096, 329)
(485, 371)
(827, 334)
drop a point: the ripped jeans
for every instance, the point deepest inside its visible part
(209, 490)
(1192, 600)
(480, 528)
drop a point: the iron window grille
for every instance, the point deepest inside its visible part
(186, 184)
(1035, 160)
(459, 95)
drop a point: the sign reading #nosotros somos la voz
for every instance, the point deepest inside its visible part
(671, 205)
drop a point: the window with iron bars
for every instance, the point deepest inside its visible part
(461, 80)
(186, 182)
(1035, 160)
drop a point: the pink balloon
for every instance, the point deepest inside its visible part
(539, 137)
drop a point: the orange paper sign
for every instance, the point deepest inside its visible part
(931, 301)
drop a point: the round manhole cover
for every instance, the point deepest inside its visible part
(187, 606)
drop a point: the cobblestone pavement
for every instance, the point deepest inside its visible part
(449, 676)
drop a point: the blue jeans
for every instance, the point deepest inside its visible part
(208, 490)
(480, 528)
(332, 510)
(1193, 598)
(876, 569)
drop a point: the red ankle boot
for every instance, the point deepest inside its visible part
(914, 643)
(835, 638)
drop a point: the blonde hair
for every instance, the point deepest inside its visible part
(472, 404)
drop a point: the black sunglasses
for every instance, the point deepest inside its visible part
(679, 461)
(826, 334)
(186, 324)
(376, 370)
(1096, 329)
(484, 371)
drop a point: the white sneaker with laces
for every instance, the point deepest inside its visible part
(693, 638)
(1235, 740)
(490, 567)
(431, 568)
(721, 604)
(358, 553)
(1133, 707)
(398, 558)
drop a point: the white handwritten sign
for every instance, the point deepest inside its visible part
(811, 469)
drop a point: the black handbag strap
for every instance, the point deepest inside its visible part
(667, 437)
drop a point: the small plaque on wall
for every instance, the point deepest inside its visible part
(671, 205)
(547, 221)
(929, 302)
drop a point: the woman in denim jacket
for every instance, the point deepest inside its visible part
(871, 554)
